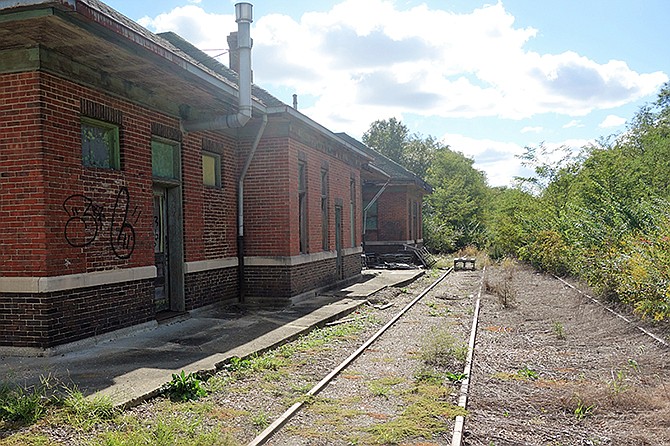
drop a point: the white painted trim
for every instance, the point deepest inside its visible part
(208, 265)
(392, 242)
(74, 281)
(299, 259)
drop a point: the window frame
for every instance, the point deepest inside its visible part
(372, 214)
(114, 152)
(217, 169)
(176, 161)
(325, 191)
(302, 207)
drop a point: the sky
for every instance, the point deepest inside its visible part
(486, 78)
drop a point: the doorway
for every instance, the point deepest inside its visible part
(168, 250)
(161, 252)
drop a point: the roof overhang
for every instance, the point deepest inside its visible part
(93, 44)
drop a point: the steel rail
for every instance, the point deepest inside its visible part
(291, 411)
(620, 316)
(457, 437)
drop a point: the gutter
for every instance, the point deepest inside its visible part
(315, 125)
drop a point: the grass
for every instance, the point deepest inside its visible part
(165, 429)
(426, 415)
(559, 330)
(442, 349)
(85, 412)
(383, 386)
(503, 287)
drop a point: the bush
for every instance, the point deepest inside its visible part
(548, 252)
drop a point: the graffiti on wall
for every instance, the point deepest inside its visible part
(87, 221)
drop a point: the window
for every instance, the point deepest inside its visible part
(211, 169)
(352, 211)
(100, 144)
(302, 205)
(371, 217)
(324, 210)
(165, 159)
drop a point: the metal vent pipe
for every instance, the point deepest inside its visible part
(244, 18)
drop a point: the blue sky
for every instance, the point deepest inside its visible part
(485, 77)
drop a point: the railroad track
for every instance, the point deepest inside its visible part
(283, 419)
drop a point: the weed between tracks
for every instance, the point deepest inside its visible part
(243, 399)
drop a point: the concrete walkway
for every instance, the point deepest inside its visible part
(132, 368)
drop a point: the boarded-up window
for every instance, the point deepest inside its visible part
(165, 159)
(211, 169)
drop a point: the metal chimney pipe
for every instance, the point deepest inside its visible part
(243, 17)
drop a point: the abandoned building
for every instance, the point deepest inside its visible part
(140, 179)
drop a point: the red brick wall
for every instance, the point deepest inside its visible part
(23, 243)
(208, 287)
(267, 200)
(210, 228)
(277, 284)
(394, 219)
(48, 319)
(40, 164)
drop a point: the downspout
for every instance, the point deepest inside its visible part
(365, 211)
(243, 17)
(240, 209)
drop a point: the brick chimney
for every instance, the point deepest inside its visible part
(234, 53)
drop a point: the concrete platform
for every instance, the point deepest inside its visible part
(132, 368)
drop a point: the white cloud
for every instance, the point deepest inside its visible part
(388, 61)
(529, 129)
(202, 29)
(497, 159)
(572, 124)
(612, 121)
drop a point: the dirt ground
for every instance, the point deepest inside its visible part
(553, 368)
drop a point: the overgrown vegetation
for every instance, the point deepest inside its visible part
(191, 413)
(601, 214)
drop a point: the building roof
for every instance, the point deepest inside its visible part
(397, 173)
(273, 104)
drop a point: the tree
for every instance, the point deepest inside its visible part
(388, 137)
(459, 198)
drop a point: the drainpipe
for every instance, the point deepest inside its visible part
(240, 209)
(243, 17)
(367, 208)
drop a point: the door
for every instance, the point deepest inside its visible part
(338, 242)
(161, 252)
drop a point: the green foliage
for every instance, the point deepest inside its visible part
(387, 137)
(164, 430)
(82, 411)
(426, 414)
(441, 349)
(26, 404)
(548, 252)
(601, 214)
(185, 387)
(527, 373)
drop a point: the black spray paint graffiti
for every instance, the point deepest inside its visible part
(87, 220)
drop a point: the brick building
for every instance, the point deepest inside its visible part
(138, 181)
(392, 202)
